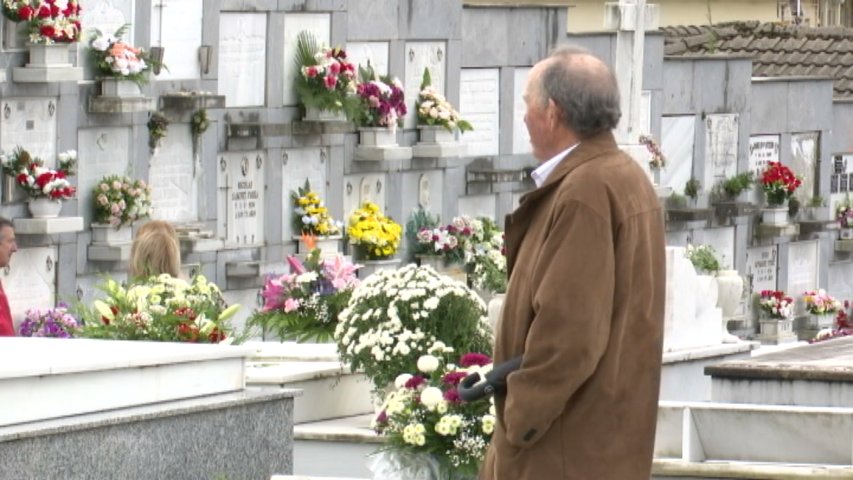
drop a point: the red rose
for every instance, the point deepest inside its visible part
(26, 12)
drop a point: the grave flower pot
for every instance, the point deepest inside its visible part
(52, 55)
(436, 134)
(377, 137)
(371, 266)
(118, 87)
(329, 246)
(43, 207)
(729, 291)
(775, 327)
(314, 114)
(106, 234)
(777, 216)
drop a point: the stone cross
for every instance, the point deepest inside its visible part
(631, 19)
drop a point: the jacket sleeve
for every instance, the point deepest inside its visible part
(572, 291)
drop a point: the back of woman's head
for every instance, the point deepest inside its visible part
(155, 251)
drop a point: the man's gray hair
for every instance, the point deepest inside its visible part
(587, 94)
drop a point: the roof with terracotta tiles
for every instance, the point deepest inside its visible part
(777, 50)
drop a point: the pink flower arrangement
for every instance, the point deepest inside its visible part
(820, 302)
(326, 78)
(382, 102)
(52, 322)
(304, 304)
(113, 57)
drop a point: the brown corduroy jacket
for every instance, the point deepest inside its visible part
(584, 306)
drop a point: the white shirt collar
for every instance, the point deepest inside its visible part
(543, 171)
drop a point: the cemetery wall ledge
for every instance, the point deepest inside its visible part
(664, 468)
(814, 373)
(712, 351)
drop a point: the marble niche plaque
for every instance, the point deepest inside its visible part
(763, 149)
(677, 142)
(420, 55)
(478, 206)
(107, 152)
(31, 124)
(173, 179)
(723, 242)
(320, 24)
(242, 58)
(479, 103)
(363, 188)
(761, 268)
(721, 143)
(298, 165)
(176, 26)
(30, 280)
(374, 53)
(804, 163)
(520, 135)
(241, 202)
(802, 267)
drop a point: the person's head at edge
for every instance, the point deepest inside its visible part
(571, 95)
(8, 244)
(155, 251)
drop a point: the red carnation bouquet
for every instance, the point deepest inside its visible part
(779, 183)
(37, 180)
(48, 22)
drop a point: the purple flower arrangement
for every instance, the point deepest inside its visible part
(52, 322)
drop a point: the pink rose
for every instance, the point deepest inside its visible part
(331, 81)
(290, 305)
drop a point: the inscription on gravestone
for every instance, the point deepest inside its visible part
(479, 103)
(761, 266)
(242, 195)
(721, 140)
(762, 149)
(242, 55)
(317, 23)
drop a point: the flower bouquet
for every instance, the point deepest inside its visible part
(37, 180)
(779, 183)
(115, 58)
(820, 302)
(120, 201)
(396, 316)
(162, 308)
(304, 305)
(52, 322)
(52, 24)
(775, 304)
(381, 100)
(454, 241)
(656, 158)
(19, 10)
(844, 216)
(326, 80)
(423, 415)
(374, 235)
(310, 215)
(489, 260)
(434, 110)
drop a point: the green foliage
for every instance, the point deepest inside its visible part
(199, 122)
(704, 258)
(676, 200)
(158, 128)
(692, 188)
(419, 219)
(735, 185)
(816, 202)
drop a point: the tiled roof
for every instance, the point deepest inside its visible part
(777, 50)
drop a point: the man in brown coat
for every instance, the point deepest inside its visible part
(585, 299)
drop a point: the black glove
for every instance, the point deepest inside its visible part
(472, 388)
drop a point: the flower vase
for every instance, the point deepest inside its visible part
(106, 234)
(314, 114)
(329, 246)
(54, 55)
(433, 134)
(495, 308)
(377, 137)
(729, 291)
(819, 321)
(43, 207)
(118, 87)
(368, 267)
(776, 216)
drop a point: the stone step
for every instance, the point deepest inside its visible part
(348, 440)
(329, 389)
(43, 378)
(287, 351)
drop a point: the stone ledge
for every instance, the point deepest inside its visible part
(775, 231)
(191, 101)
(708, 352)
(306, 127)
(665, 468)
(47, 226)
(109, 253)
(382, 154)
(102, 104)
(47, 74)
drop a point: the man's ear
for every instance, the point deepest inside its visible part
(555, 114)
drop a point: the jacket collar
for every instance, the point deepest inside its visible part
(518, 222)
